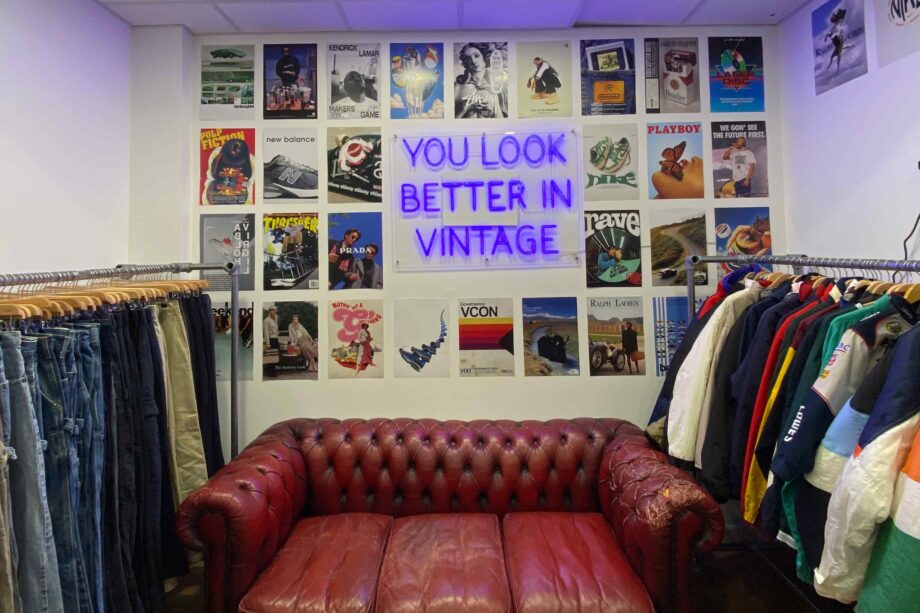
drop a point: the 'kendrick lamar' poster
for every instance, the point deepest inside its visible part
(544, 79)
(736, 74)
(354, 70)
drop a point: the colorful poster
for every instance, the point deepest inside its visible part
(676, 235)
(616, 336)
(290, 81)
(675, 160)
(353, 159)
(897, 29)
(672, 75)
(290, 341)
(422, 346)
(354, 254)
(739, 159)
(227, 82)
(220, 313)
(613, 252)
(416, 81)
(228, 238)
(356, 339)
(550, 337)
(608, 77)
(743, 231)
(354, 73)
(226, 161)
(291, 251)
(838, 33)
(486, 335)
(736, 78)
(671, 321)
(481, 84)
(611, 161)
(544, 79)
(291, 159)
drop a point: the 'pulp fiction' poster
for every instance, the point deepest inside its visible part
(743, 231)
(676, 235)
(353, 159)
(672, 75)
(422, 346)
(227, 158)
(290, 82)
(736, 74)
(290, 244)
(356, 339)
(675, 160)
(227, 82)
(611, 162)
(416, 81)
(354, 70)
(616, 336)
(838, 33)
(739, 159)
(608, 77)
(228, 238)
(544, 79)
(486, 334)
(612, 249)
(550, 337)
(291, 160)
(481, 82)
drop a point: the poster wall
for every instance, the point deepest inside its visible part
(897, 25)
(228, 238)
(356, 339)
(481, 81)
(616, 336)
(227, 82)
(290, 341)
(611, 162)
(550, 337)
(226, 162)
(421, 339)
(736, 78)
(544, 79)
(417, 81)
(608, 76)
(290, 81)
(290, 244)
(485, 329)
(675, 160)
(739, 159)
(353, 72)
(672, 75)
(838, 31)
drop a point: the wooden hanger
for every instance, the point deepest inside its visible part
(53, 307)
(912, 293)
(14, 310)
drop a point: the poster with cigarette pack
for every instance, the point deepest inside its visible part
(743, 231)
(290, 82)
(481, 81)
(224, 239)
(353, 160)
(486, 334)
(355, 251)
(421, 339)
(676, 235)
(672, 75)
(838, 32)
(739, 159)
(675, 160)
(356, 339)
(608, 77)
(671, 318)
(544, 79)
(550, 337)
(290, 341)
(227, 82)
(221, 316)
(616, 336)
(290, 244)
(226, 162)
(416, 81)
(613, 254)
(291, 160)
(353, 72)
(611, 162)
(736, 78)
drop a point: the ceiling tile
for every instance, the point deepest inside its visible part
(517, 14)
(635, 12)
(284, 16)
(401, 15)
(718, 12)
(200, 18)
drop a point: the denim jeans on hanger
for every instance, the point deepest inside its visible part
(9, 596)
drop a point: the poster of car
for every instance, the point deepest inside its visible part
(611, 162)
(677, 234)
(544, 79)
(739, 159)
(743, 231)
(421, 339)
(613, 251)
(353, 160)
(550, 337)
(616, 336)
(290, 251)
(354, 75)
(290, 341)
(356, 339)
(675, 160)
(416, 80)
(290, 81)
(486, 334)
(838, 33)
(672, 75)
(736, 75)
(291, 160)
(226, 163)
(227, 82)
(481, 82)
(608, 76)
(228, 238)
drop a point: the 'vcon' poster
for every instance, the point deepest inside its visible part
(486, 333)
(736, 78)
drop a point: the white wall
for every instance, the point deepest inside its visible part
(65, 81)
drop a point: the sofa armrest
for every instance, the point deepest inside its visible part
(243, 514)
(660, 516)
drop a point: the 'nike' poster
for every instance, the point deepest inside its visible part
(416, 80)
(353, 158)
(544, 79)
(291, 158)
(611, 162)
(486, 334)
(612, 249)
(227, 82)
(290, 82)
(227, 159)
(228, 238)
(353, 72)
(736, 74)
(608, 77)
(421, 343)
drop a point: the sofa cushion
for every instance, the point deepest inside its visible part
(328, 563)
(559, 562)
(444, 562)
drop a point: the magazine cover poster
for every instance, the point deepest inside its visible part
(353, 158)
(736, 74)
(743, 231)
(486, 334)
(611, 162)
(227, 82)
(671, 321)
(675, 160)
(290, 244)
(354, 252)
(354, 72)
(221, 316)
(290, 341)
(290, 82)
(416, 81)
(356, 339)
(421, 341)
(227, 157)
(838, 32)
(481, 81)
(291, 160)
(613, 253)
(608, 77)
(676, 235)
(672, 75)
(550, 337)
(616, 336)
(228, 238)
(544, 79)
(739, 159)
(897, 29)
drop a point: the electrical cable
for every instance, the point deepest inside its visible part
(906, 240)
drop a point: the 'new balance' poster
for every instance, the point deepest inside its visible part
(227, 158)
(290, 82)
(228, 238)
(353, 157)
(612, 249)
(608, 77)
(736, 74)
(353, 73)
(290, 168)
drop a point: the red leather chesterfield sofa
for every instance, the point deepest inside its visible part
(405, 515)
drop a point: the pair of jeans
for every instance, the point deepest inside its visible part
(9, 596)
(200, 329)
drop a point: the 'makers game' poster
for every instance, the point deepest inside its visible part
(675, 160)
(422, 346)
(486, 334)
(481, 81)
(227, 158)
(608, 77)
(616, 336)
(227, 82)
(743, 231)
(612, 249)
(416, 81)
(290, 82)
(354, 72)
(353, 158)
(356, 339)
(672, 75)
(224, 239)
(290, 243)
(544, 79)
(838, 32)
(739, 159)
(736, 74)
(290, 168)
(611, 162)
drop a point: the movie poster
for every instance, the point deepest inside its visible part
(291, 160)
(354, 72)
(544, 79)
(227, 82)
(481, 82)
(220, 314)
(613, 252)
(736, 74)
(422, 346)
(227, 157)
(675, 160)
(743, 231)
(550, 337)
(608, 77)
(353, 158)
(838, 33)
(416, 81)
(290, 341)
(228, 238)
(672, 75)
(897, 29)
(739, 159)
(356, 339)
(616, 336)
(290, 81)
(671, 321)
(290, 243)
(486, 334)
(611, 162)
(355, 251)
(676, 235)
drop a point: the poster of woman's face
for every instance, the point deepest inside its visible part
(481, 86)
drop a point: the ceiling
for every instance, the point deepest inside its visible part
(231, 16)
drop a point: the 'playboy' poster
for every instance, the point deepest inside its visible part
(675, 160)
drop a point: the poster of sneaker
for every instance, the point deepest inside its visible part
(227, 82)
(481, 83)
(742, 231)
(838, 33)
(356, 339)
(290, 341)
(736, 78)
(671, 320)
(611, 161)
(613, 253)
(616, 336)
(353, 158)
(355, 253)
(421, 340)
(228, 238)
(676, 235)
(486, 334)
(675, 160)
(608, 77)
(220, 313)
(416, 81)
(290, 81)
(739, 159)
(672, 75)
(226, 161)
(354, 72)
(550, 337)
(544, 79)
(290, 243)
(291, 158)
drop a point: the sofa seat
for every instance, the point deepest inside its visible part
(327, 564)
(560, 562)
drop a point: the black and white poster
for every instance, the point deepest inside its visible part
(353, 73)
(228, 238)
(481, 82)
